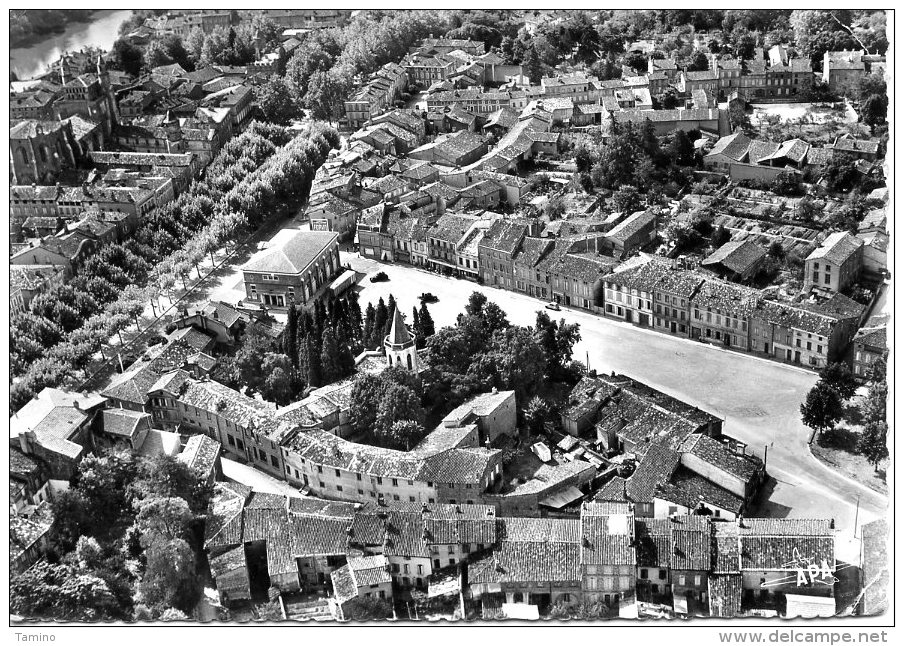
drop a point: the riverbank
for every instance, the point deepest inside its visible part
(100, 30)
(26, 31)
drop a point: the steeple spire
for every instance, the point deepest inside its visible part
(398, 334)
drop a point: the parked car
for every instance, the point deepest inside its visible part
(553, 306)
(379, 277)
(428, 297)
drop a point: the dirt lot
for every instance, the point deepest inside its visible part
(853, 466)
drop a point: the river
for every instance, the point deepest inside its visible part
(101, 31)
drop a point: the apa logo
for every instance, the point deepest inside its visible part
(809, 572)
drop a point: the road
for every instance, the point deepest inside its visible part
(758, 399)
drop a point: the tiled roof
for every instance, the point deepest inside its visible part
(457, 466)
(726, 297)
(691, 542)
(643, 277)
(447, 524)
(717, 454)
(631, 225)
(28, 128)
(548, 530)
(121, 421)
(726, 548)
(209, 395)
(532, 251)
(451, 227)
(228, 562)
(655, 469)
(781, 544)
(873, 337)
(607, 538)
(224, 526)
(200, 453)
(344, 588)
(550, 476)
(21, 464)
(687, 489)
(54, 416)
(660, 116)
(25, 532)
(732, 146)
(292, 253)
(736, 255)
(837, 248)
(614, 490)
(654, 542)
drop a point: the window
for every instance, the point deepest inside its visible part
(644, 573)
(697, 578)
(662, 574)
(337, 473)
(319, 468)
(395, 482)
(681, 580)
(358, 477)
(360, 492)
(338, 487)
(395, 496)
(274, 461)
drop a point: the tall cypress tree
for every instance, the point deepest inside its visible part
(368, 332)
(319, 318)
(329, 357)
(354, 316)
(315, 374)
(346, 358)
(380, 319)
(427, 327)
(290, 336)
(416, 326)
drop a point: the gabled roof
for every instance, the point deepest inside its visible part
(121, 421)
(745, 466)
(837, 248)
(738, 256)
(732, 146)
(655, 469)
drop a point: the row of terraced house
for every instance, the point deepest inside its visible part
(689, 564)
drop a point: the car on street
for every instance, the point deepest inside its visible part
(553, 306)
(428, 297)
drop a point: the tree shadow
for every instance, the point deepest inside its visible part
(839, 438)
